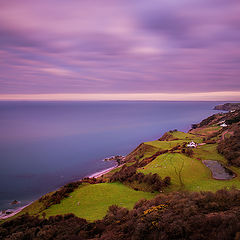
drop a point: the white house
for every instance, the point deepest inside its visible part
(192, 144)
(223, 125)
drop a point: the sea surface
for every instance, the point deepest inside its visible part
(44, 145)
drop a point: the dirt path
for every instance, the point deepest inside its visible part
(224, 133)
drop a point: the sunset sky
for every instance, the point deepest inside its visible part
(120, 49)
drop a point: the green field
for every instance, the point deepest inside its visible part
(195, 176)
(184, 136)
(208, 152)
(165, 145)
(92, 201)
(206, 131)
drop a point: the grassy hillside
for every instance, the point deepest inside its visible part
(92, 201)
(179, 138)
(187, 173)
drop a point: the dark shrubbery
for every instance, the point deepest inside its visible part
(207, 121)
(179, 215)
(230, 148)
(234, 119)
(129, 174)
(63, 192)
(188, 152)
(210, 141)
(147, 160)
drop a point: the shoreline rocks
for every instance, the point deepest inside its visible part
(118, 158)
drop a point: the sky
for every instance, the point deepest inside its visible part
(120, 49)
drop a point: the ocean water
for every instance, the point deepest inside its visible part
(44, 145)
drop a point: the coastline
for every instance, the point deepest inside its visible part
(14, 212)
(97, 174)
(100, 173)
(165, 107)
(94, 175)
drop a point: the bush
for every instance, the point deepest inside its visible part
(129, 174)
(189, 152)
(230, 148)
(178, 215)
(63, 192)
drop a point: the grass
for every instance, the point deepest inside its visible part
(206, 131)
(167, 145)
(184, 136)
(164, 145)
(195, 175)
(208, 152)
(92, 201)
(141, 152)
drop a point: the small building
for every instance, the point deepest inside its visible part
(192, 144)
(223, 125)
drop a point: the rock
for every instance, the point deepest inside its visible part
(15, 202)
(7, 212)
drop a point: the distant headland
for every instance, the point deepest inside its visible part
(228, 107)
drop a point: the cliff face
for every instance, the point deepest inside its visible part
(228, 107)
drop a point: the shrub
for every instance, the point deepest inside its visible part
(129, 174)
(178, 215)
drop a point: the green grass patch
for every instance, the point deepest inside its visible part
(195, 175)
(92, 201)
(208, 152)
(165, 145)
(142, 151)
(184, 136)
(206, 131)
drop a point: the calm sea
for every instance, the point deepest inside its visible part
(44, 145)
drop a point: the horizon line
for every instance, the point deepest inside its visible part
(197, 96)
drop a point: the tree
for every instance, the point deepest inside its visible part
(178, 170)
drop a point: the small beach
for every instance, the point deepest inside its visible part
(14, 211)
(100, 173)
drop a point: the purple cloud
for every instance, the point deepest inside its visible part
(119, 46)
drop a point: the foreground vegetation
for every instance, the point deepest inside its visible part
(179, 215)
(92, 200)
(167, 168)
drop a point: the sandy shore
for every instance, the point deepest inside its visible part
(100, 173)
(14, 211)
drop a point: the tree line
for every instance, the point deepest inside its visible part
(130, 174)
